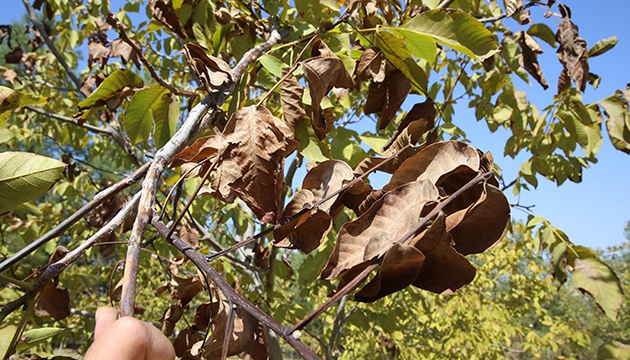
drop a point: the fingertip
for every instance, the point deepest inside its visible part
(105, 316)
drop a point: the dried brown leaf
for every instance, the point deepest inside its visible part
(53, 301)
(97, 51)
(306, 231)
(391, 166)
(184, 289)
(163, 11)
(529, 58)
(119, 48)
(322, 74)
(291, 93)
(10, 76)
(481, 225)
(258, 350)
(418, 120)
(371, 66)
(189, 235)
(243, 333)
(572, 52)
(170, 318)
(373, 233)
(399, 267)
(184, 342)
(355, 196)
(213, 71)
(444, 269)
(434, 161)
(15, 56)
(87, 87)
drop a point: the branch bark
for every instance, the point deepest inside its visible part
(163, 157)
(79, 214)
(231, 294)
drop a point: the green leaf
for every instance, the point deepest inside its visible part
(458, 30)
(139, 113)
(112, 84)
(165, 115)
(618, 123)
(613, 350)
(33, 337)
(11, 100)
(602, 46)
(395, 51)
(6, 335)
(544, 33)
(25, 176)
(271, 64)
(593, 276)
(421, 46)
(310, 147)
(375, 142)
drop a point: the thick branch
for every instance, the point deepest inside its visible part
(38, 25)
(163, 157)
(231, 294)
(79, 214)
(111, 20)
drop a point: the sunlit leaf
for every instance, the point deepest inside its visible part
(25, 176)
(11, 100)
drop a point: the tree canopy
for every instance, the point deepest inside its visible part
(230, 170)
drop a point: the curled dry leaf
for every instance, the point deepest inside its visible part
(418, 120)
(252, 149)
(307, 231)
(481, 225)
(433, 161)
(163, 11)
(184, 289)
(214, 72)
(529, 57)
(371, 66)
(53, 301)
(258, 350)
(184, 343)
(291, 93)
(97, 51)
(119, 48)
(322, 74)
(189, 235)
(375, 231)
(170, 318)
(386, 98)
(243, 333)
(572, 52)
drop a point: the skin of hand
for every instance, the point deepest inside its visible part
(127, 338)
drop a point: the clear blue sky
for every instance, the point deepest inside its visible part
(595, 211)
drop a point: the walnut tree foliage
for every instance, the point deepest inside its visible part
(269, 143)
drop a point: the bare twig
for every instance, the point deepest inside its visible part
(51, 45)
(340, 318)
(98, 199)
(163, 157)
(445, 4)
(232, 295)
(111, 20)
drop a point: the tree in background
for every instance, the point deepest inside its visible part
(203, 102)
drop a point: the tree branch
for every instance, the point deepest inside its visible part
(231, 294)
(58, 230)
(444, 4)
(38, 25)
(503, 16)
(163, 157)
(111, 20)
(53, 270)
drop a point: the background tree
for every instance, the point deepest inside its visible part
(203, 102)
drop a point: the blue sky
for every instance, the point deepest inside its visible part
(595, 211)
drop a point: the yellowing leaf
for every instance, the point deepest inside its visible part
(11, 100)
(25, 176)
(112, 85)
(397, 52)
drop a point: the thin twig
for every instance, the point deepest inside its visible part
(111, 20)
(58, 230)
(445, 4)
(232, 295)
(503, 16)
(228, 330)
(53, 270)
(66, 119)
(51, 45)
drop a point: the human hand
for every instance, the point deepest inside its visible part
(127, 338)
